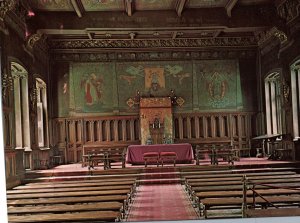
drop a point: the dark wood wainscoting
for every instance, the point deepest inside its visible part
(70, 134)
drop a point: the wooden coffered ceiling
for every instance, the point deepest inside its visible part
(76, 24)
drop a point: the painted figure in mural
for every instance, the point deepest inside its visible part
(217, 86)
(92, 88)
(155, 88)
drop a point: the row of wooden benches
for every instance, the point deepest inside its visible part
(71, 201)
(94, 156)
(225, 190)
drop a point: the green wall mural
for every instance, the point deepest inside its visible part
(92, 87)
(219, 84)
(154, 79)
(104, 88)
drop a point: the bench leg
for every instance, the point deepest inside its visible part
(145, 163)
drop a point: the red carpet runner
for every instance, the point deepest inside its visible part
(161, 202)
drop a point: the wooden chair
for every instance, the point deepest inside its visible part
(151, 156)
(167, 156)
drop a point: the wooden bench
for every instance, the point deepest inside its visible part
(70, 185)
(68, 194)
(217, 203)
(239, 182)
(263, 192)
(68, 189)
(98, 206)
(67, 200)
(91, 216)
(239, 187)
(94, 154)
(216, 175)
(198, 182)
(215, 149)
(278, 212)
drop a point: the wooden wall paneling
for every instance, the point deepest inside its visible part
(124, 130)
(180, 127)
(188, 127)
(132, 135)
(116, 132)
(197, 127)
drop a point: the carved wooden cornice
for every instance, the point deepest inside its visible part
(266, 36)
(37, 41)
(154, 56)
(289, 10)
(154, 43)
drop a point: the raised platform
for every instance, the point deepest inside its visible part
(152, 173)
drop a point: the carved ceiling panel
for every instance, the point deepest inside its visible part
(51, 5)
(103, 5)
(155, 4)
(206, 3)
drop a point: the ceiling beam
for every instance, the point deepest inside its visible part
(78, 7)
(180, 6)
(229, 6)
(128, 7)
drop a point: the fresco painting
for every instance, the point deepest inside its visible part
(89, 87)
(154, 79)
(218, 84)
(92, 86)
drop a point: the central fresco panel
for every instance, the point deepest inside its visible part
(154, 79)
(106, 87)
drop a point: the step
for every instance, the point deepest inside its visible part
(160, 181)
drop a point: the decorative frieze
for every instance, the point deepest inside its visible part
(152, 56)
(154, 43)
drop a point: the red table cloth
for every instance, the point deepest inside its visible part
(184, 152)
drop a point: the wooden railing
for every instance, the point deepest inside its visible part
(70, 134)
